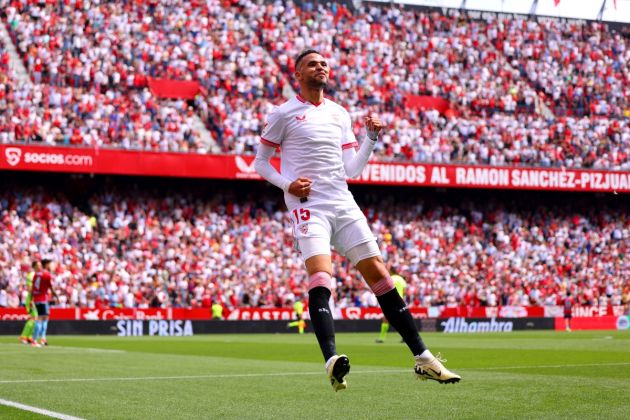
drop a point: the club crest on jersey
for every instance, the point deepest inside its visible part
(303, 228)
(301, 119)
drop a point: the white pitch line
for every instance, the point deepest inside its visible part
(38, 410)
(550, 366)
(158, 378)
(56, 349)
(260, 375)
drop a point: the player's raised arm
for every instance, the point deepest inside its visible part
(354, 161)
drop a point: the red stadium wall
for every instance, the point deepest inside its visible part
(125, 162)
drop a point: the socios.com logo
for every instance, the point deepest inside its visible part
(13, 155)
(623, 323)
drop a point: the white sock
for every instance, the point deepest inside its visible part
(329, 361)
(426, 356)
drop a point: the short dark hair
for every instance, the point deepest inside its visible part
(303, 54)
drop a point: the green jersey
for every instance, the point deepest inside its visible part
(399, 284)
(29, 297)
(217, 311)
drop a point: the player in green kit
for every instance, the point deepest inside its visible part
(27, 333)
(298, 308)
(400, 284)
(217, 310)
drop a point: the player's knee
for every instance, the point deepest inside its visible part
(320, 279)
(382, 286)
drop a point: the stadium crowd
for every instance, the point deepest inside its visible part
(582, 68)
(139, 248)
(496, 76)
(382, 54)
(52, 115)
(117, 46)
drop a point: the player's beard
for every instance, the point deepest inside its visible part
(316, 83)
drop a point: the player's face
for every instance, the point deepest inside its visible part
(313, 71)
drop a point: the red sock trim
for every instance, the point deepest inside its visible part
(320, 279)
(383, 286)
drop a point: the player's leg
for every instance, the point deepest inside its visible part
(27, 331)
(357, 242)
(366, 257)
(313, 236)
(384, 329)
(394, 308)
(319, 268)
(37, 331)
(43, 340)
(43, 310)
(42, 316)
(33, 314)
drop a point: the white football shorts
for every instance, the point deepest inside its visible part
(318, 227)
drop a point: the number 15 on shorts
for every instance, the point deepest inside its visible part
(301, 215)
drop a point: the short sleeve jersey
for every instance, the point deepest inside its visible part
(311, 138)
(568, 305)
(42, 281)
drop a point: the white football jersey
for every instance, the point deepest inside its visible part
(311, 139)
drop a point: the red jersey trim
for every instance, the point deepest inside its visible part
(349, 145)
(299, 98)
(269, 143)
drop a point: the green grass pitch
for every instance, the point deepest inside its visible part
(534, 375)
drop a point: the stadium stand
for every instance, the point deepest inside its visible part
(382, 54)
(167, 244)
(516, 92)
(502, 87)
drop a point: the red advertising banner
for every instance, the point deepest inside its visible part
(261, 314)
(285, 314)
(376, 313)
(494, 312)
(108, 314)
(166, 88)
(608, 322)
(126, 162)
(584, 311)
(428, 102)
